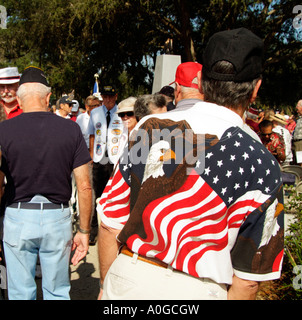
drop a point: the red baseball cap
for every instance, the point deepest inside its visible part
(186, 72)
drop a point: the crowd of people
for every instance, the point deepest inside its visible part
(279, 132)
(205, 223)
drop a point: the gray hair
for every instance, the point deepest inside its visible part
(227, 93)
(186, 90)
(27, 90)
(146, 104)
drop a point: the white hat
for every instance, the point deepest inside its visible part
(126, 105)
(279, 118)
(9, 75)
(75, 107)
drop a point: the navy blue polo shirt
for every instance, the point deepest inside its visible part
(39, 152)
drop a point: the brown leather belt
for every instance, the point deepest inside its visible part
(125, 250)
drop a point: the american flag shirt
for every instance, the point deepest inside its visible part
(216, 216)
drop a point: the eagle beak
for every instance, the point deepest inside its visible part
(279, 209)
(169, 154)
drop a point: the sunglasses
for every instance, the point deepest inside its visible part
(128, 114)
(266, 134)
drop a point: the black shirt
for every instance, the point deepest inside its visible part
(39, 152)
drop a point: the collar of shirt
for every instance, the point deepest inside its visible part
(14, 112)
(215, 119)
(112, 111)
(187, 103)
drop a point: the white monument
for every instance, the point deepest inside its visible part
(165, 69)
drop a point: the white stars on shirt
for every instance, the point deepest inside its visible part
(228, 174)
(215, 180)
(236, 186)
(207, 171)
(245, 156)
(224, 190)
(235, 166)
(237, 144)
(209, 155)
(198, 163)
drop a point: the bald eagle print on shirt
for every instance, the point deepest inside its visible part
(199, 208)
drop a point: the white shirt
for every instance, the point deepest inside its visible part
(106, 139)
(83, 121)
(58, 114)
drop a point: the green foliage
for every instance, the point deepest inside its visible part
(73, 39)
(293, 251)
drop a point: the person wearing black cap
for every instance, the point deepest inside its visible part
(204, 228)
(105, 129)
(65, 106)
(168, 93)
(40, 151)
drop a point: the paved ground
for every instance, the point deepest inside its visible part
(84, 278)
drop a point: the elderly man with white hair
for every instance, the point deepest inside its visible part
(40, 151)
(9, 83)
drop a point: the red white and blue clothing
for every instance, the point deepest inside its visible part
(212, 215)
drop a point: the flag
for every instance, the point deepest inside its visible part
(96, 87)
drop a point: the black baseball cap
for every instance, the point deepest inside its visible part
(66, 99)
(167, 91)
(240, 47)
(33, 74)
(108, 90)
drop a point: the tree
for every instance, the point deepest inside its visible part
(73, 39)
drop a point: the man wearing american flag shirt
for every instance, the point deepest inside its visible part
(206, 223)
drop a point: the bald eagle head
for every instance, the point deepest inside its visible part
(159, 153)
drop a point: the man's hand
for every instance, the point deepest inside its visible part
(100, 294)
(81, 246)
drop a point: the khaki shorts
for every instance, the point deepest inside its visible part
(131, 279)
(297, 146)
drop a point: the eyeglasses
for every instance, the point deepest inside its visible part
(266, 134)
(128, 114)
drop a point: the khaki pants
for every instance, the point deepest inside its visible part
(297, 146)
(131, 279)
